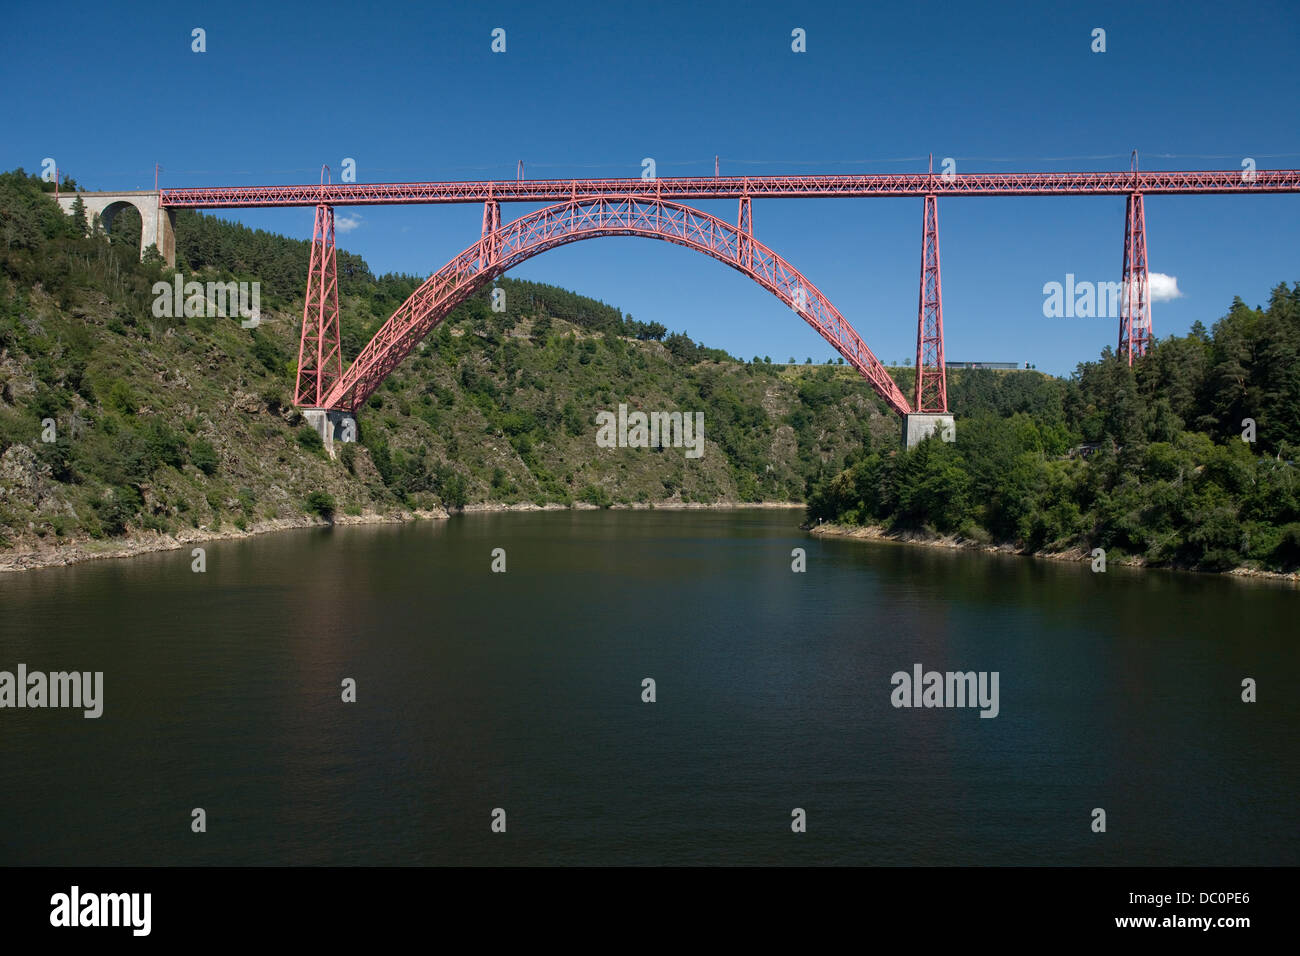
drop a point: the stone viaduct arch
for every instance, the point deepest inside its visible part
(157, 223)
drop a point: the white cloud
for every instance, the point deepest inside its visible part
(348, 223)
(1163, 287)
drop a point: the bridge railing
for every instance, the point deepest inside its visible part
(732, 187)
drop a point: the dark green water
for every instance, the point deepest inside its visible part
(523, 691)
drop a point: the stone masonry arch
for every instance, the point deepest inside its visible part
(157, 223)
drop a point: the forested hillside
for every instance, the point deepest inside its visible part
(1187, 459)
(162, 424)
(165, 424)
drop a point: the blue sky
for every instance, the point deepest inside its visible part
(589, 89)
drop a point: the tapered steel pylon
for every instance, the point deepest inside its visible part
(745, 233)
(491, 237)
(931, 381)
(320, 361)
(1135, 312)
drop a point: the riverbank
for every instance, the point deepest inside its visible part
(77, 550)
(668, 505)
(958, 543)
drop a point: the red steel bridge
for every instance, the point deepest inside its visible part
(653, 208)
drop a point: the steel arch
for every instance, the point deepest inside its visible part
(506, 246)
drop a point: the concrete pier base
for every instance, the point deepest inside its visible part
(920, 425)
(332, 425)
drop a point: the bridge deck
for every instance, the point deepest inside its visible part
(735, 187)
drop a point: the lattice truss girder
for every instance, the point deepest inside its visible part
(735, 187)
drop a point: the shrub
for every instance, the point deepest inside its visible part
(115, 510)
(204, 457)
(1287, 552)
(310, 439)
(266, 352)
(164, 446)
(121, 398)
(322, 503)
(595, 495)
(348, 455)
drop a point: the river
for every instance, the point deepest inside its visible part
(522, 691)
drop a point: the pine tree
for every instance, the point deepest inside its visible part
(79, 221)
